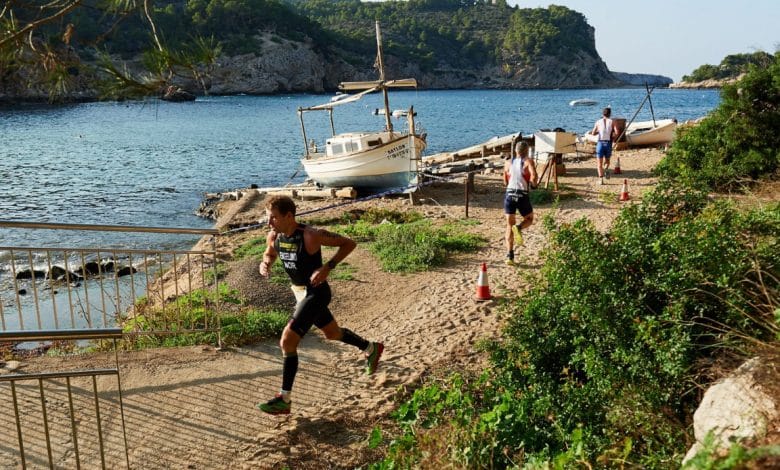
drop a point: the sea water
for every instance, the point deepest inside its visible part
(149, 163)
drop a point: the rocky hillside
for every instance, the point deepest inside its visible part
(312, 48)
(640, 79)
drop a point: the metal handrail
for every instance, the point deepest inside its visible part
(102, 249)
(58, 374)
(108, 228)
(68, 334)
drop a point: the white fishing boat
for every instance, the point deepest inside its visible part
(369, 161)
(657, 132)
(582, 102)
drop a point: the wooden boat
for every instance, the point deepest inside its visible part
(656, 132)
(582, 102)
(369, 161)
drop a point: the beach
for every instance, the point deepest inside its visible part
(194, 407)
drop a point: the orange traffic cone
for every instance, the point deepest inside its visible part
(624, 191)
(483, 290)
(617, 171)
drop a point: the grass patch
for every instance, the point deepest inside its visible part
(343, 272)
(216, 273)
(254, 248)
(541, 196)
(418, 246)
(197, 310)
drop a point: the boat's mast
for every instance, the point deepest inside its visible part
(303, 131)
(380, 61)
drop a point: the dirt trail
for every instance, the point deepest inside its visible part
(194, 407)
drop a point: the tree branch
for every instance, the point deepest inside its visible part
(35, 24)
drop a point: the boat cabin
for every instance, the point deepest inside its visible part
(346, 144)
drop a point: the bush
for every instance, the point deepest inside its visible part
(597, 358)
(739, 141)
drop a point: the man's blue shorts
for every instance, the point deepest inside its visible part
(604, 149)
(517, 201)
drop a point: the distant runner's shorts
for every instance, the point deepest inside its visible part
(517, 201)
(311, 309)
(604, 149)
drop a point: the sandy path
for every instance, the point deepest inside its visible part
(194, 407)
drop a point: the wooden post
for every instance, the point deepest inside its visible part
(555, 172)
(469, 182)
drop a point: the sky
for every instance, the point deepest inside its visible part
(674, 37)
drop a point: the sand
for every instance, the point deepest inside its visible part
(194, 407)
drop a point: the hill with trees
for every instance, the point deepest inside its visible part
(268, 46)
(729, 70)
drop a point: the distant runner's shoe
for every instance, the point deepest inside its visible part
(606, 173)
(372, 360)
(518, 235)
(509, 262)
(601, 180)
(275, 406)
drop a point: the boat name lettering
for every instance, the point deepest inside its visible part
(396, 152)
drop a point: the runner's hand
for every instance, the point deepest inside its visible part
(319, 275)
(265, 269)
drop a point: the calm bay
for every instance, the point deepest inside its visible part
(149, 163)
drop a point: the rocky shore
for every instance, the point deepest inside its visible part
(707, 83)
(287, 66)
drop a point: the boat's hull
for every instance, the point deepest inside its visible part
(645, 133)
(389, 166)
(582, 102)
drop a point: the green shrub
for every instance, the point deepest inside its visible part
(738, 142)
(597, 358)
(738, 456)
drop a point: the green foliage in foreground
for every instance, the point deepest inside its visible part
(598, 358)
(739, 141)
(709, 458)
(197, 310)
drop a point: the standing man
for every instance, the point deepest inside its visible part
(519, 175)
(299, 247)
(607, 133)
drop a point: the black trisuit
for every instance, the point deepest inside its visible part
(299, 265)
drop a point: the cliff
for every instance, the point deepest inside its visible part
(640, 79)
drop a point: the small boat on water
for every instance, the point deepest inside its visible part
(655, 132)
(582, 102)
(369, 161)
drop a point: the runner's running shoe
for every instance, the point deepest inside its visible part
(372, 360)
(275, 406)
(518, 235)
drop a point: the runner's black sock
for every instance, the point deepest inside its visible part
(289, 369)
(352, 339)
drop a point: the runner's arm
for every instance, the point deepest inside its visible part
(269, 256)
(316, 238)
(532, 169)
